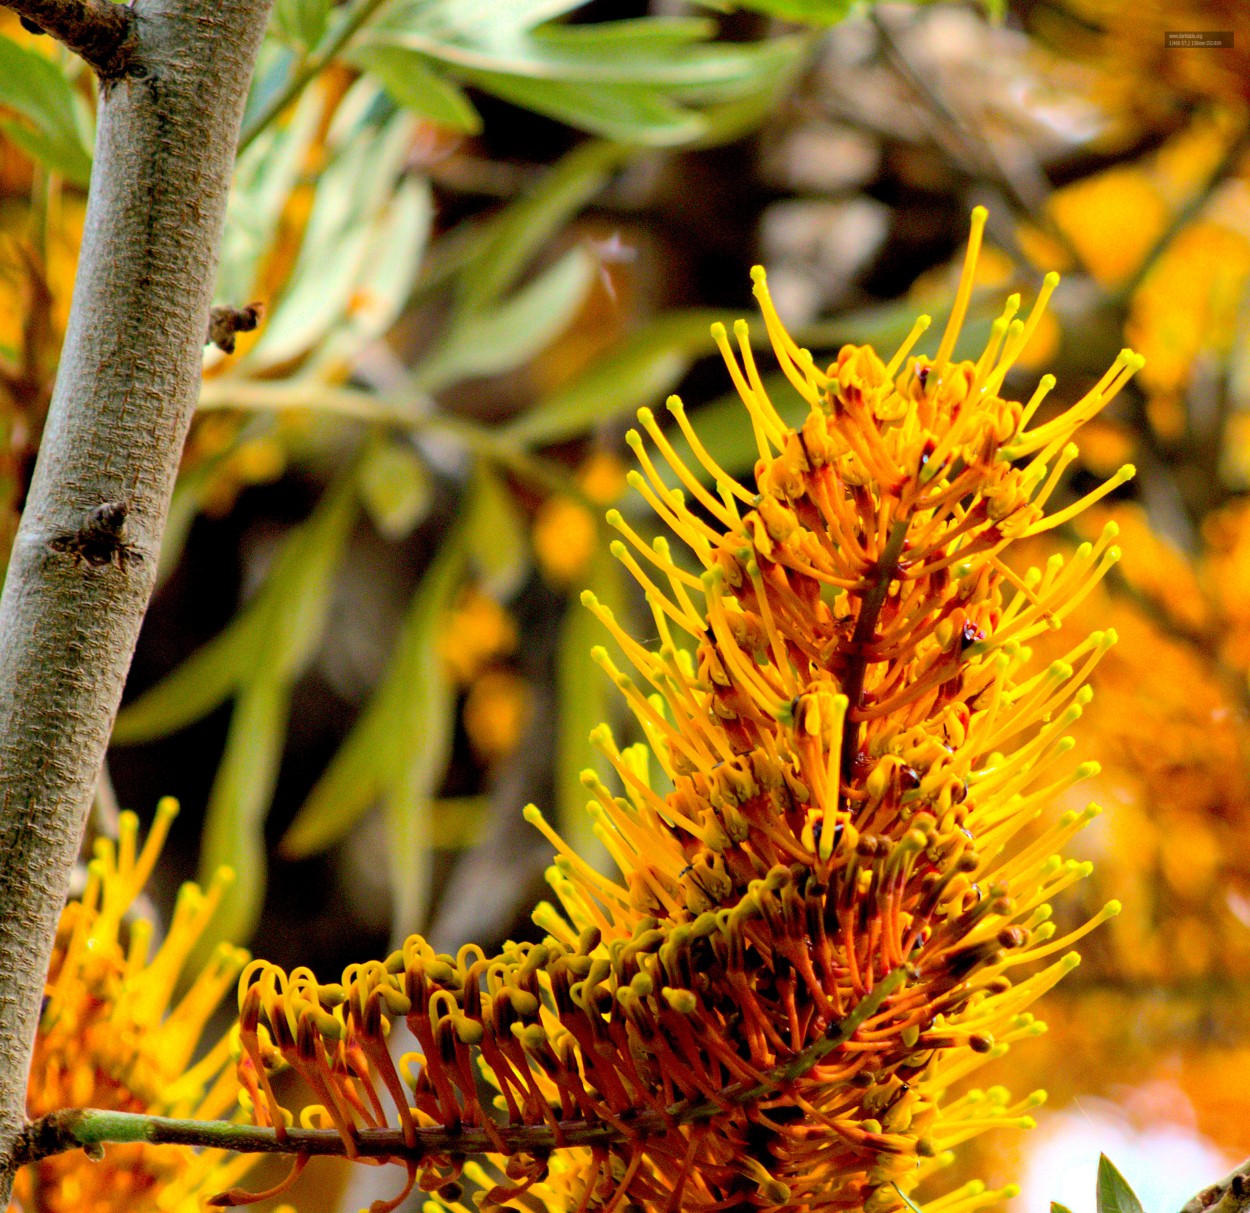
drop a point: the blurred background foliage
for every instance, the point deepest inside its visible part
(485, 232)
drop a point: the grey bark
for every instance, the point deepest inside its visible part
(84, 561)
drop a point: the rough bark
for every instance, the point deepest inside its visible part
(84, 561)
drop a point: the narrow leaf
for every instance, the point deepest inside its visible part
(396, 489)
(497, 536)
(39, 91)
(201, 683)
(374, 759)
(242, 790)
(489, 343)
(1114, 1193)
(517, 233)
(407, 76)
(648, 365)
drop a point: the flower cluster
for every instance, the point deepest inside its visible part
(825, 899)
(108, 1038)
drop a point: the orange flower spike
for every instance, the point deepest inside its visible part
(848, 750)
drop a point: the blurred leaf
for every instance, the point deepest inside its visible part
(290, 611)
(518, 232)
(395, 488)
(40, 92)
(1056, 1207)
(621, 79)
(498, 538)
(627, 113)
(586, 699)
(459, 822)
(264, 177)
(642, 371)
(401, 727)
(407, 77)
(352, 198)
(501, 339)
(302, 22)
(1114, 1193)
(201, 683)
(811, 12)
(242, 789)
(387, 272)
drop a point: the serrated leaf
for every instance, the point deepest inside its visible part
(647, 366)
(1115, 1195)
(506, 336)
(40, 92)
(587, 699)
(374, 760)
(235, 817)
(497, 537)
(411, 82)
(517, 233)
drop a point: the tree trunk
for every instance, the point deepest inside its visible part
(84, 561)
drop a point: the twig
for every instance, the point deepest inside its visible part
(1230, 1195)
(98, 31)
(309, 70)
(225, 321)
(861, 638)
(92, 1128)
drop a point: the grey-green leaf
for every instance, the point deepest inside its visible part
(396, 489)
(242, 789)
(201, 683)
(649, 364)
(375, 758)
(40, 92)
(497, 536)
(1114, 1193)
(506, 336)
(407, 76)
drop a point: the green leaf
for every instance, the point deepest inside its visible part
(506, 336)
(396, 489)
(264, 177)
(201, 683)
(408, 78)
(642, 371)
(498, 539)
(1114, 1193)
(519, 231)
(40, 92)
(587, 699)
(1056, 1207)
(302, 22)
(352, 196)
(811, 12)
(626, 113)
(239, 801)
(383, 752)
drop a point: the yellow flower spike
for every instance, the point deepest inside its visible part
(963, 294)
(108, 1039)
(839, 824)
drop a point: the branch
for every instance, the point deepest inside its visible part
(98, 31)
(1230, 1195)
(91, 1128)
(84, 561)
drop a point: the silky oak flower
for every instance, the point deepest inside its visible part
(826, 915)
(109, 1038)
